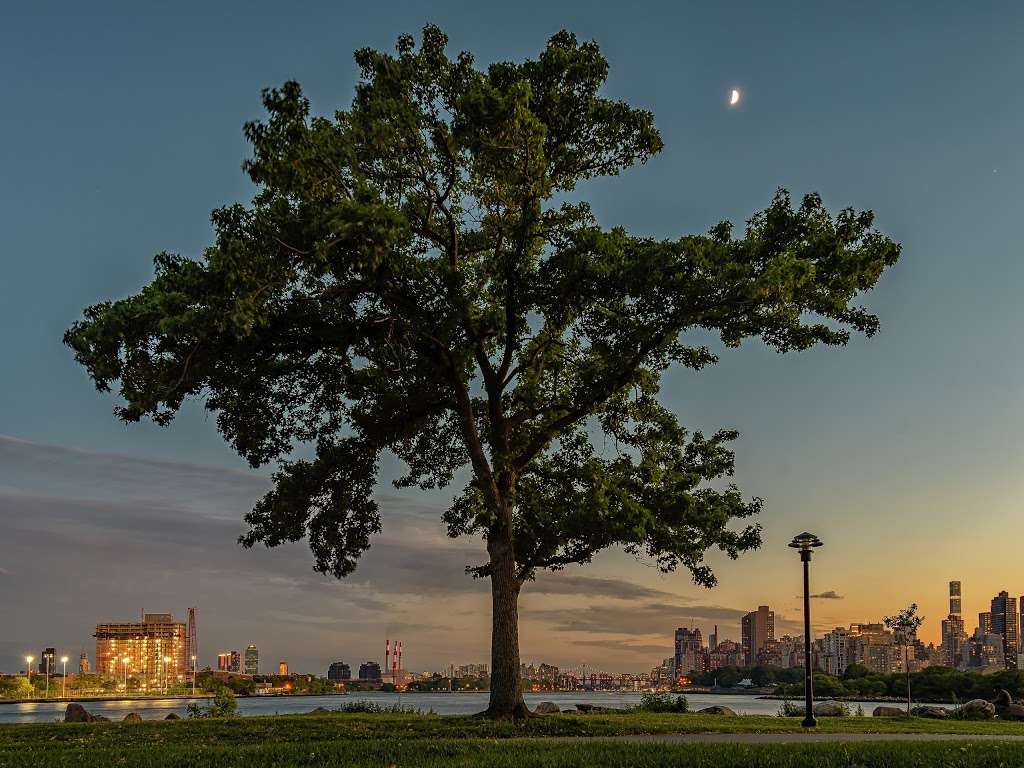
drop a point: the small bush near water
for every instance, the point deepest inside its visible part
(788, 709)
(663, 702)
(222, 705)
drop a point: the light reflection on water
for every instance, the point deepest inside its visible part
(441, 703)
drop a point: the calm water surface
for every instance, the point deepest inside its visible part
(442, 703)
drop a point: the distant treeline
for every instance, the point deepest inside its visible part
(930, 684)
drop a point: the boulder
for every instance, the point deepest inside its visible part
(1010, 712)
(932, 713)
(830, 709)
(172, 716)
(547, 708)
(100, 719)
(717, 709)
(133, 717)
(978, 709)
(320, 711)
(888, 712)
(76, 713)
(590, 708)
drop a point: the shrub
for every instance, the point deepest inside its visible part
(788, 709)
(222, 705)
(663, 702)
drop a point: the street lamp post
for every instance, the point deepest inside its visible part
(805, 542)
(124, 663)
(167, 660)
(47, 659)
(193, 676)
(28, 668)
(64, 678)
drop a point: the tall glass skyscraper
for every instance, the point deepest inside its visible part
(1005, 623)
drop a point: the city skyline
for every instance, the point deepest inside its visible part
(904, 462)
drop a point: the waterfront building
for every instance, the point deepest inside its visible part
(369, 671)
(252, 660)
(1005, 623)
(235, 663)
(282, 668)
(727, 653)
(689, 656)
(224, 662)
(339, 672)
(756, 629)
(47, 661)
(139, 648)
(83, 664)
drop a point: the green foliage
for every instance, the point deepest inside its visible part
(15, 687)
(937, 684)
(465, 742)
(223, 704)
(663, 702)
(790, 709)
(410, 279)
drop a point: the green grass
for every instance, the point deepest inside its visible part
(474, 753)
(431, 740)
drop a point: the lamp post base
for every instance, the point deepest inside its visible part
(809, 722)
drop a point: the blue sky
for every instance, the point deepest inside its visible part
(121, 129)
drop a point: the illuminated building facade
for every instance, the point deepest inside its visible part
(139, 649)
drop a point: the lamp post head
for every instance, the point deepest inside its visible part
(805, 542)
(29, 659)
(63, 659)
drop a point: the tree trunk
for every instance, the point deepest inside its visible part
(906, 663)
(506, 683)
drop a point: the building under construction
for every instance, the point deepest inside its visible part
(152, 650)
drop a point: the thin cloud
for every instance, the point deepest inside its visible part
(827, 595)
(561, 583)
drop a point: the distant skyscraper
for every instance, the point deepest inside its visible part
(339, 671)
(224, 661)
(282, 668)
(713, 638)
(83, 663)
(370, 671)
(756, 629)
(954, 598)
(252, 660)
(985, 623)
(48, 661)
(1006, 623)
(235, 664)
(689, 651)
(953, 637)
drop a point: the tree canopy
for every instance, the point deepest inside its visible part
(417, 275)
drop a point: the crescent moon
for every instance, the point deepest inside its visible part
(734, 98)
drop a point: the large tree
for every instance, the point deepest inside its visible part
(417, 275)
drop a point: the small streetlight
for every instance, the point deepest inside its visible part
(64, 678)
(193, 676)
(124, 662)
(28, 667)
(167, 660)
(47, 657)
(805, 542)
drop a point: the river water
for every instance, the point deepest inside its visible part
(441, 703)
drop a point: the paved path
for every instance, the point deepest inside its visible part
(790, 738)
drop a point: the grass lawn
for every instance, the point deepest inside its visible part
(430, 740)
